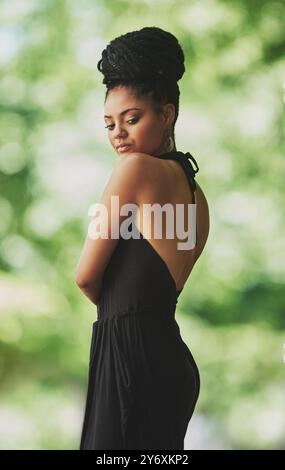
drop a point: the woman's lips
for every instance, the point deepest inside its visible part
(124, 148)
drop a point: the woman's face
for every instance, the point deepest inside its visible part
(143, 129)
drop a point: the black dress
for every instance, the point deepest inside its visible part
(143, 382)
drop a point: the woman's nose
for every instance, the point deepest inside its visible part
(120, 133)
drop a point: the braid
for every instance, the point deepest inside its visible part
(150, 61)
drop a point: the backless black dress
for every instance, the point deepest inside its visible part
(143, 381)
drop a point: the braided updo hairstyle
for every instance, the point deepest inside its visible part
(149, 62)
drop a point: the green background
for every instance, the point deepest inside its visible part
(55, 159)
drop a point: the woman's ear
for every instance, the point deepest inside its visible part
(169, 114)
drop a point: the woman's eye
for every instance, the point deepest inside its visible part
(131, 121)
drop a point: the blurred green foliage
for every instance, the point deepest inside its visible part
(54, 161)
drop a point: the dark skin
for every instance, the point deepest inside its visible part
(93, 291)
(145, 129)
(147, 132)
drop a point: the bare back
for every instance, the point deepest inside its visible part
(168, 184)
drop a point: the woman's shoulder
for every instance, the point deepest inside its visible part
(135, 169)
(140, 163)
(137, 157)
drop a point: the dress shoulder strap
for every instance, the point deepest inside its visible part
(184, 160)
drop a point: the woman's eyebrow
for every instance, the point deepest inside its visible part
(124, 112)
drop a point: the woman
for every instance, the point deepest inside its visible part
(143, 381)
